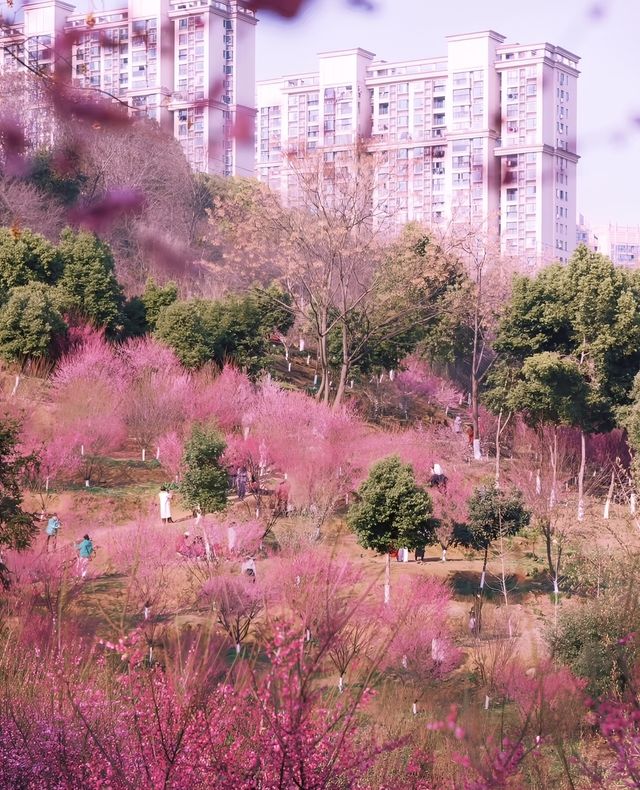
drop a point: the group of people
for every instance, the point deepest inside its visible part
(85, 549)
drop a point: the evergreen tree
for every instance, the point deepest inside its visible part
(155, 298)
(88, 285)
(27, 257)
(17, 527)
(29, 323)
(392, 510)
(204, 483)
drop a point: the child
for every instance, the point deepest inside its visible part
(53, 525)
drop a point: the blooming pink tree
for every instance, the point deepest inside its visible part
(170, 452)
(237, 601)
(88, 388)
(57, 450)
(421, 643)
(227, 397)
(416, 379)
(313, 444)
(158, 392)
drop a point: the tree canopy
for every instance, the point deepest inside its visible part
(392, 510)
(30, 322)
(204, 483)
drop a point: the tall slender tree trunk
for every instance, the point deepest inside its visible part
(583, 463)
(387, 578)
(498, 432)
(475, 364)
(553, 456)
(344, 367)
(323, 358)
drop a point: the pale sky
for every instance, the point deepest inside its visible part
(604, 33)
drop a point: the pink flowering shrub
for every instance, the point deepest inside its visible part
(417, 380)
(422, 644)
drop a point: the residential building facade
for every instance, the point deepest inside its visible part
(621, 243)
(187, 64)
(485, 136)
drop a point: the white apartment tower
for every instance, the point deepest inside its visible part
(484, 136)
(187, 64)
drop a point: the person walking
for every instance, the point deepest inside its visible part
(165, 498)
(241, 482)
(53, 526)
(457, 424)
(85, 550)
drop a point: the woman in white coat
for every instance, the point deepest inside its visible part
(165, 505)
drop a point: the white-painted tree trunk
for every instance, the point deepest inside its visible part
(607, 503)
(583, 463)
(387, 578)
(477, 453)
(144, 454)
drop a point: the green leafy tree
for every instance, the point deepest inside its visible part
(629, 419)
(88, 285)
(17, 527)
(391, 511)
(204, 483)
(29, 323)
(134, 317)
(587, 314)
(596, 639)
(183, 327)
(27, 257)
(494, 513)
(235, 329)
(238, 333)
(155, 298)
(275, 308)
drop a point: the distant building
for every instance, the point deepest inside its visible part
(621, 243)
(188, 64)
(486, 134)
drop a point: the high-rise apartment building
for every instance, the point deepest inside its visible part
(187, 64)
(484, 136)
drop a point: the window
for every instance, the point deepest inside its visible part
(383, 108)
(512, 194)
